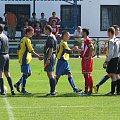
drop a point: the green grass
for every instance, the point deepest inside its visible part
(66, 105)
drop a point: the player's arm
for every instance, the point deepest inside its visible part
(91, 50)
(111, 51)
(67, 49)
(31, 50)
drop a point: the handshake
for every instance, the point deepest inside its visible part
(76, 49)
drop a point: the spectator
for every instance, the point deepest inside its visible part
(37, 30)
(78, 36)
(55, 29)
(43, 22)
(24, 28)
(11, 20)
(33, 20)
(54, 18)
(22, 21)
(78, 32)
(5, 21)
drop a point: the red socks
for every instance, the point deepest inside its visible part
(91, 82)
(88, 82)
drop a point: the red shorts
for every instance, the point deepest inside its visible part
(87, 65)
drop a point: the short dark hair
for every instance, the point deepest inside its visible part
(1, 28)
(29, 29)
(115, 27)
(42, 13)
(53, 12)
(33, 13)
(86, 31)
(64, 32)
(48, 27)
(111, 30)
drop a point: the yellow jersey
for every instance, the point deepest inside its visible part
(64, 51)
(24, 51)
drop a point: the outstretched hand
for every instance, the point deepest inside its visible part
(41, 57)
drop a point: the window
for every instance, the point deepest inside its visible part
(67, 15)
(19, 10)
(110, 15)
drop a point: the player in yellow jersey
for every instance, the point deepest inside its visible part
(62, 67)
(25, 52)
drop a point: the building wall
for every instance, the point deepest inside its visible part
(90, 11)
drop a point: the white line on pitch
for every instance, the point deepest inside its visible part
(39, 107)
(8, 108)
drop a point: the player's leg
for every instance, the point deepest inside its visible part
(103, 80)
(1, 83)
(50, 73)
(88, 70)
(72, 83)
(113, 70)
(52, 82)
(26, 70)
(2, 63)
(57, 79)
(86, 77)
(59, 70)
(17, 85)
(90, 84)
(7, 74)
(118, 79)
(113, 84)
(118, 85)
(24, 78)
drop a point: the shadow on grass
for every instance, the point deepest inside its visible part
(43, 95)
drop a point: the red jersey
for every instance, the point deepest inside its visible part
(87, 46)
(56, 19)
(55, 30)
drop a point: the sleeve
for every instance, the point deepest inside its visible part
(29, 45)
(66, 48)
(111, 51)
(89, 43)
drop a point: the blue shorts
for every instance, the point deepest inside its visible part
(25, 68)
(62, 68)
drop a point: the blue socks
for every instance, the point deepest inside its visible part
(24, 80)
(103, 80)
(71, 81)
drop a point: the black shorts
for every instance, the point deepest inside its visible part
(4, 62)
(112, 66)
(50, 67)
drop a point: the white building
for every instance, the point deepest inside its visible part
(97, 15)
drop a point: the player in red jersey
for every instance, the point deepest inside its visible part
(87, 62)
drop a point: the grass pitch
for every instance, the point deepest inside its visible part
(66, 105)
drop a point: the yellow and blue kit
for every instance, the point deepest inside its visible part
(62, 67)
(24, 54)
